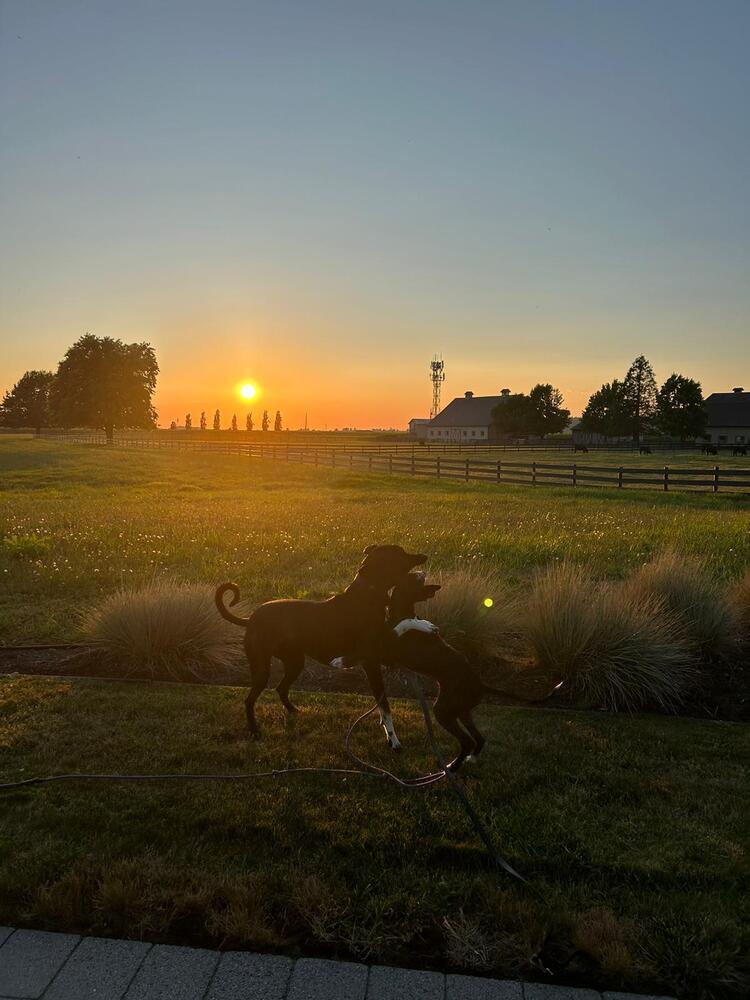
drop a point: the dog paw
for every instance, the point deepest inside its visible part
(395, 746)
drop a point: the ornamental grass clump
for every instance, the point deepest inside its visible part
(687, 589)
(614, 650)
(739, 599)
(475, 612)
(165, 629)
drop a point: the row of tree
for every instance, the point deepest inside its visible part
(631, 407)
(249, 422)
(634, 406)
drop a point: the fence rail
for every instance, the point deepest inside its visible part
(441, 466)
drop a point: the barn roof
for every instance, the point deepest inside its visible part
(728, 409)
(474, 411)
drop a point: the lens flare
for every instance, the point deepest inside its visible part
(488, 602)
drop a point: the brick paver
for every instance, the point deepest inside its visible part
(30, 959)
(321, 979)
(172, 973)
(473, 988)
(242, 975)
(406, 984)
(99, 969)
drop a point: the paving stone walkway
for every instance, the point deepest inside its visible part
(39, 964)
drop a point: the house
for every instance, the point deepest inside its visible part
(418, 427)
(467, 418)
(728, 417)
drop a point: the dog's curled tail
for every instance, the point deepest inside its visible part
(234, 590)
(520, 701)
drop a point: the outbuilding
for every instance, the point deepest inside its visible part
(467, 418)
(728, 417)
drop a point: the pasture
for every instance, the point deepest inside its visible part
(77, 522)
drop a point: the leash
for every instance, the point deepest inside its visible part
(363, 769)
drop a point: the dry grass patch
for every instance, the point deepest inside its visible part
(171, 630)
(615, 650)
(739, 597)
(689, 591)
(481, 632)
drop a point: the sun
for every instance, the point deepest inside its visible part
(247, 390)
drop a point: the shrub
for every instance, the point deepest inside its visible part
(614, 650)
(24, 546)
(686, 587)
(465, 621)
(169, 629)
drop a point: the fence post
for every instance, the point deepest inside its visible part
(437, 467)
(619, 478)
(412, 462)
(369, 462)
(467, 470)
(390, 463)
(575, 474)
(351, 460)
(333, 458)
(716, 479)
(533, 473)
(499, 469)
(666, 478)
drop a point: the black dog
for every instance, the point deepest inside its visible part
(416, 645)
(292, 629)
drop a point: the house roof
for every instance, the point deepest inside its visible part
(728, 409)
(474, 411)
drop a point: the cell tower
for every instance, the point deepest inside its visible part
(437, 377)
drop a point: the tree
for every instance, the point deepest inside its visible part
(264, 421)
(188, 422)
(103, 383)
(680, 412)
(606, 412)
(204, 422)
(27, 403)
(173, 426)
(539, 413)
(217, 421)
(249, 421)
(550, 417)
(234, 421)
(277, 421)
(639, 389)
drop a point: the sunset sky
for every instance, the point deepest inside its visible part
(316, 196)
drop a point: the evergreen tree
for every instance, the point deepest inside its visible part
(277, 421)
(173, 426)
(639, 389)
(249, 422)
(264, 421)
(680, 411)
(204, 422)
(234, 421)
(188, 422)
(217, 421)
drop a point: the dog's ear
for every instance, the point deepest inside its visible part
(430, 589)
(369, 549)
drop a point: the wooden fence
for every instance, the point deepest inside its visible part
(448, 467)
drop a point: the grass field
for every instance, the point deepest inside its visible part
(77, 522)
(631, 830)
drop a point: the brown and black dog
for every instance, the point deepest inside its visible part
(323, 630)
(415, 644)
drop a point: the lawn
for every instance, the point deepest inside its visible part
(631, 830)
(77, 522)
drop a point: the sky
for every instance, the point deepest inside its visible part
(318, 196)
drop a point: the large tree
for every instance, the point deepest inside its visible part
(550, 417)
(680, 411)
(639, 388)
(277, 421)
(607, 412)
(538, 414)
(27, 403)
(103, 383)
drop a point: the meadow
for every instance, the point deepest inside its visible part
(78, 522)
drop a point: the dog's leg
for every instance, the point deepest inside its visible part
(294, 664)
(445, 714)
(375, 677)
(468, 723)
(260, 669)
